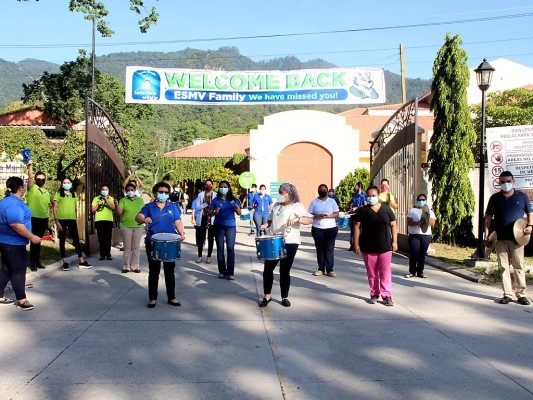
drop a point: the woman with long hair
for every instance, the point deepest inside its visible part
(15, 234)
(224, 207)
(286, 216)
(206, 227)
(64, 209)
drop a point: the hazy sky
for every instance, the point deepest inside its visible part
(46, 30)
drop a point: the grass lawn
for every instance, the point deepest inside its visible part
(50, 252)
(455, 255)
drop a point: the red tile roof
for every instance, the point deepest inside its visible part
(27, 117)
(224, 146)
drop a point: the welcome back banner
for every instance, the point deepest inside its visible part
(317, 86)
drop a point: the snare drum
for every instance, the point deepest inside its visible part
(270, 247)
(166, 246)
(245, 215)
(343, 222)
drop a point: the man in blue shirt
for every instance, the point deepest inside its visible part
(248, 202)
(503, 209)
(358, 200)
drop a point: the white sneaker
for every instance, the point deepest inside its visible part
(318, 273)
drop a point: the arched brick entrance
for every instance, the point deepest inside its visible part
(306, 165)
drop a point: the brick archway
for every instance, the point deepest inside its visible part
(306, 165)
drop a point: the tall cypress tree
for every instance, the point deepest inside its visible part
(451, 155)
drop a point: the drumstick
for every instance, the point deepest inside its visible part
(47, 237)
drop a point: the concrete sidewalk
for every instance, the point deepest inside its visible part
(91, 335)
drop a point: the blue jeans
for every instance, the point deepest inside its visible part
(418, 247)
(252, 222)
(259, 220)
(225, 232)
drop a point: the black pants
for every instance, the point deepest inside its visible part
(418, 247)
(284, 271)
(38, 228)
(325, 244)
(14, 259)
(104, 231)
(201, 233)
(154, 268)
(72, 227)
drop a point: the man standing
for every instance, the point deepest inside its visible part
(358, 200)
(503, 209)
(248, 203)
(38, 199)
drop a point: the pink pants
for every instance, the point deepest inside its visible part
(378, 269)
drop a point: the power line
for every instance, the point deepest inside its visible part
(280, 35)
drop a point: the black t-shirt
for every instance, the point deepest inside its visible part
(376, 235)
(175, 196)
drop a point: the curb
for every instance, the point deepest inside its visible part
(454, 270)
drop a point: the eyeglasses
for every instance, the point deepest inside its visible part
(164, 192)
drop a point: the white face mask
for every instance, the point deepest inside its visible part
(507, 186)
(262, 191)
(281, 198)
(130, 193)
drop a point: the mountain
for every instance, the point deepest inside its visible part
(13, 75)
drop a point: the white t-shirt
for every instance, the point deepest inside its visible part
(280, 215)
(415, 214)
(327, 206)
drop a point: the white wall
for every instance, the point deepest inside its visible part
(283, 129)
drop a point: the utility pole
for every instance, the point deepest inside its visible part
(402, 68)
(93, 57)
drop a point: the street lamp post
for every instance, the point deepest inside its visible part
(484, 77)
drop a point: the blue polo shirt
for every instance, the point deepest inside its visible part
(262, 204)
(226, 215)
(358, 200)
(250, 199)
(163, 219)
(13, 210)
(506, 210)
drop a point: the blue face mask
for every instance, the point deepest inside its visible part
(162, 197)
(372, 200)
(223, 191)
(421, 203)
(104, 192)
(67, 186)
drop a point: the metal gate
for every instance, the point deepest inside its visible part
(395, 155)
(105, 152)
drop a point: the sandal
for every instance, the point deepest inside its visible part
(409, 276)
(208, 260)
(285, 303)
(264, 302)
(125, 270)
(137, 270)
(199, 260)
(6, 302)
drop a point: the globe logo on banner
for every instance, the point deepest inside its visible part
(145, 85)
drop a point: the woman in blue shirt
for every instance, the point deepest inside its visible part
(161, 216)
(15, 230)
(224, 207)
(262, 204)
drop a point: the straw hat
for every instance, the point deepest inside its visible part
(518, 231)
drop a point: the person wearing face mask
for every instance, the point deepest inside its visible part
(503, 209)
(324, 231)
(386, 196)
(286, 217)
(103, 207)
(39, 201)
(15, 233)
(127, 209)
(178, 197)
(262, 204)
(332, 195)
(64, 209)
(207, 228)
(358, 200)
(136, 182)
(248, 203)
(224, 207)
(161, 216)
(419, 240)
(376, 237)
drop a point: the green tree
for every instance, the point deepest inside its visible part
(345, 189)
(93, 9)
(224, 174)
(451, 155)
